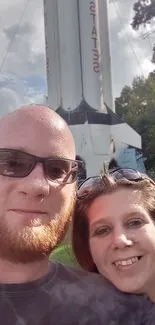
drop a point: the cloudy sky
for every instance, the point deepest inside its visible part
(22, 51)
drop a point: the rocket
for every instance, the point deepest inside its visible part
(79, 78)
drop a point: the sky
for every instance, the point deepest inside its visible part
(22, 51)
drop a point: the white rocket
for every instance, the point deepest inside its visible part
(79, 78)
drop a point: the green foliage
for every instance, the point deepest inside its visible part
(64, 255)
(144, 13)
(136, 105)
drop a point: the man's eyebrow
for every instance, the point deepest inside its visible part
(27, 150)
(18, 148)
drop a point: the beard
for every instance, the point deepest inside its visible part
(35, 241)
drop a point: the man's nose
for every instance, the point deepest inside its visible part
(35, 184)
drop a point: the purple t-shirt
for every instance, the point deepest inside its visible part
(70, 296)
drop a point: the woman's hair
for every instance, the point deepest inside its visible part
(80, 231)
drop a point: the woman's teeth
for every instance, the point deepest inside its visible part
(126, 262)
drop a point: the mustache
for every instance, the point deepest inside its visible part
(32, 244)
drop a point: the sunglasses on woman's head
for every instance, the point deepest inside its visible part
(18, 164)
(119, 173)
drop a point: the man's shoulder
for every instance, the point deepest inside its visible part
(76, 280)
(92, 291)
(93, 284)
(74, 274)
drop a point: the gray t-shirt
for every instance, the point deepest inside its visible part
(70, 296)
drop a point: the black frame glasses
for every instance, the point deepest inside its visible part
(119, 173)
(19, 164)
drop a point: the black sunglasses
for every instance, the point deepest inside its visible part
(18, 164)
(118, 173)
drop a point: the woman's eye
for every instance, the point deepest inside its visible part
(135, 223)
(103, 231)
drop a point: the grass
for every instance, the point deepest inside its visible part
(64, 255)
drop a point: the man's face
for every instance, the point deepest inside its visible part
(34, 211)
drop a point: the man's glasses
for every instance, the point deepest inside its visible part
(18, 164)
(119, 173)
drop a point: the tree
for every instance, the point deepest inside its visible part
(136, 105)
(144, 13)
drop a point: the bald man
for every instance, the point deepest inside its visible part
(37, 190)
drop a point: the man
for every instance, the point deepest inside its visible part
(37, 190)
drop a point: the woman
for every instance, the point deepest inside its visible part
(114, 231)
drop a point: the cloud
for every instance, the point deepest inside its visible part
(9, 100)
(16, 91)
(24, 40)
(130, 49)
(22, 56)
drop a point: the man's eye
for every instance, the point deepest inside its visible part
(102, 231)
(135, 223)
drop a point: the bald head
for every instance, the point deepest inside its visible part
(39, 129)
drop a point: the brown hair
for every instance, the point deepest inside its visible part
(80, 231)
